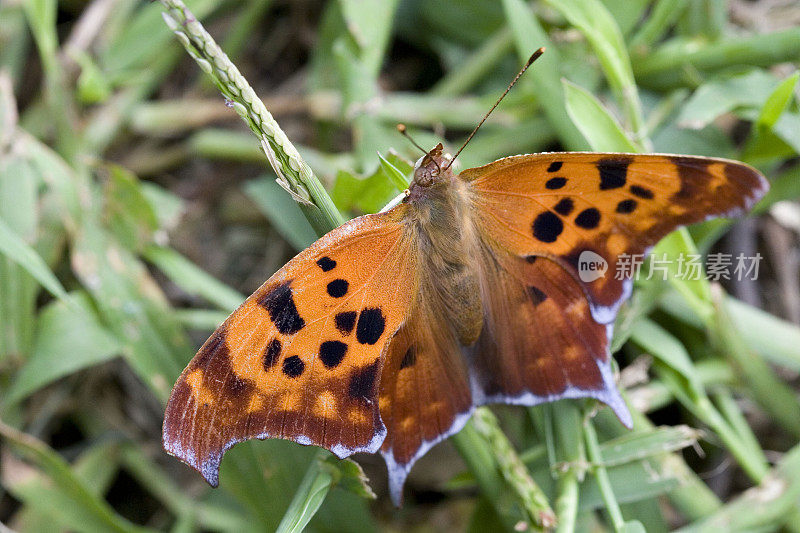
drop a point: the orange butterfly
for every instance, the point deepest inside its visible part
(389, 330)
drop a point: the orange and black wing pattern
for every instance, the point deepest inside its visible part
(559, 205)
(301, 358)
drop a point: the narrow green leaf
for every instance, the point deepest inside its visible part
(192, 279)
(630, 482)
(96, 514)
(370, 24)
(660, 343)
(721, 96)
(763, 508)
(528, 37)
(675, 252)
(398, 179)
(16, 249)
(281, 211)
(777, 102)
(598, 26)
(774, 339)
(599, 128)
(68, 338)
(309, 496)
(642, 444)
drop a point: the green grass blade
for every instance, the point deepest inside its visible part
(763, 508)
(308, 498)
(528, 37)
(191, 279)
(68, 338)
(598, 26)
(16, 249)
(95, 514)
(286, 217)
(596, 124)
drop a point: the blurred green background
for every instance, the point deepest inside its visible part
(137, 211)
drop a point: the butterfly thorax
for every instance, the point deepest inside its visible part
(448, 244)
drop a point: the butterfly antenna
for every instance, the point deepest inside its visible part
(531, 59)
(404, 132)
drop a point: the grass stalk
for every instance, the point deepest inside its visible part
(477, 65)
(601, 475)
(293, 172)
(664, 13)
(759, 50)
(514, 471)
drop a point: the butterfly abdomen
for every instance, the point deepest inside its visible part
(448, 247)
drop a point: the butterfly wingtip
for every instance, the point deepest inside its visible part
(620, 409)
(397, 478)
(207, 467)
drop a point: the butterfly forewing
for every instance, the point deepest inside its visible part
(301, 358)
(561, 205)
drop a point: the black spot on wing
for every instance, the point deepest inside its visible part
(626, 206)
(279, 302)
(555, 183)
(536, 294)
(371, 324)
(331, 353)
(564, 206)
(338, 288)
(547, 227)
(588, 218)
(641, 192)
(363, 381)
(531, 259)
(293, 366)
(409, 358)
(345, 322)
(326, 263)
(272, 353)
(613, 172)
(555, 166)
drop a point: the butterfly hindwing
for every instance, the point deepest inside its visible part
(425, 392)
(539, 341)
(301, 358)
(561, 205)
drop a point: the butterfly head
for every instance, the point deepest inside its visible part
(432, 167)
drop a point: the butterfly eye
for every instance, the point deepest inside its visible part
(423, 176)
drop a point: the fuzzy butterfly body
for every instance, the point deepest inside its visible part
(387, 332)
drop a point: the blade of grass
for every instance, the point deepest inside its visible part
(774, 339)
(598, 27)
(16, 249)
(63, 329)
(95, 513)
(662, 16)
(475, 67)
(594, 122)
(294, 174)
(601, 475)
(529, 36)
(191, 279)
(514, 471)
(772, 394)
(761, 508)
(476, 452)
(286, 217)
(659, 67)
